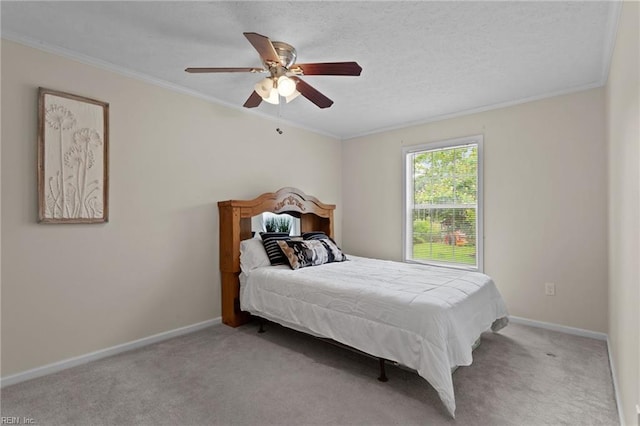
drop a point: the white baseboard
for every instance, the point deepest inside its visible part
(93, 356)
(561, 328)
(583, 333)
(103, 353)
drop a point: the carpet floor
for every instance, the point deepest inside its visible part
(220, 375)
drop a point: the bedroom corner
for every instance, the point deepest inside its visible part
(153, 267)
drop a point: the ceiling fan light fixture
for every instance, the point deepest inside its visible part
(286, 86)
(279, 61)
(264, 87)
(273, 97)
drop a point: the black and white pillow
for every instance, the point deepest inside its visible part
(334, 252)
(330, 244)
(270, 242)
(305, 253)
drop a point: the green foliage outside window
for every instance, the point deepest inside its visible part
(446, 176)
(445, 199)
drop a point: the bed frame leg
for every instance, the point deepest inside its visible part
(261, 329)
(383, 373)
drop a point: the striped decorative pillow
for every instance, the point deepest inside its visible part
(270, 242)
(315, 235)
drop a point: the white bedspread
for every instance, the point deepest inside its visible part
(426, 318)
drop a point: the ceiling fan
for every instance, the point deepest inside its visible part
(279, 60)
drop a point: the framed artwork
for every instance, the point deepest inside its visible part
(73, 158)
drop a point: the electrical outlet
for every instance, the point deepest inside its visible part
(550, 289)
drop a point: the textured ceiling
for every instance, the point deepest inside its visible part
(420, 60)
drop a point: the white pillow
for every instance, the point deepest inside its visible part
(252, 255)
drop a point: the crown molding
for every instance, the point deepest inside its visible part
(108, 66)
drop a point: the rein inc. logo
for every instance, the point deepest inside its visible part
(6, 420)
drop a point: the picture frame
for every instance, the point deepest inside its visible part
(73, 158)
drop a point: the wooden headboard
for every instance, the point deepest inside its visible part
(235, 226)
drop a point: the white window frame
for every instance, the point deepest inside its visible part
(407, 196)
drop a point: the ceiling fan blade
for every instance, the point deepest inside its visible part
(264, 47)
(253, 101)
(330, 68)
(312, 94)
(205, 70)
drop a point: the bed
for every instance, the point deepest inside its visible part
(425, 318)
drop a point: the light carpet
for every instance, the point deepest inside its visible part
(220, 375)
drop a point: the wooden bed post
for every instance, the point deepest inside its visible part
(235, 226)
(230, 266)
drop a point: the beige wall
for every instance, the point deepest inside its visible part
(623, 123)
(545, 197)
(68, 290)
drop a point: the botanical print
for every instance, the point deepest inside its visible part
(73, 159)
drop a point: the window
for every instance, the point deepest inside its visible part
(443, 203)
